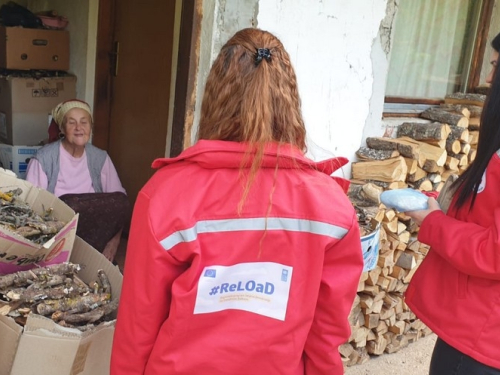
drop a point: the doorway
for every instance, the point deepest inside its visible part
(135, 51)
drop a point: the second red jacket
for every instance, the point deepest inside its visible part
(456, 290)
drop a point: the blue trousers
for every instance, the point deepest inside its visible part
(447, 360)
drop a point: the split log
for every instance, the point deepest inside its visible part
(423, 131)
(451, 163)
(473, 137)
(389, 170)
(386, 185)
(409, 150)
(418, 175)
(412, 165)
(429, 154)
(367, 153)
(441, 143)
(472, 155)
(474, 123)
(464, 148)
(365, 195)
(423, 184)
(453, 145)
(473, 111)
(407, 261)
(465, 98)
(434, 177)
(462, 159)
(455, 108)
(377, 346)
(460, 134)
(450, 118)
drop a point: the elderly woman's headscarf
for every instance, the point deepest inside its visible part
(58, 114)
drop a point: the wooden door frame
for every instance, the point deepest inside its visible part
(184, 96)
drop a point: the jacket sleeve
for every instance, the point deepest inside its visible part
(145, 297)
(469, 247)
(342, 269)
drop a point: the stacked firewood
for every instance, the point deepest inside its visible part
(56, 292)
(421, 156)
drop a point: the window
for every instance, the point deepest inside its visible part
(437, 50)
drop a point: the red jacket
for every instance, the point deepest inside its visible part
(456, 290)
(208, 291)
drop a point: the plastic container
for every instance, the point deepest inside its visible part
(370, 244)
(404, 200)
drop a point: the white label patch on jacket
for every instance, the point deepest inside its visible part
(260, 288)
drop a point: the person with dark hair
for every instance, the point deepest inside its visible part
(456, 289)
(244, 256)
(83, 176)
(495, 44)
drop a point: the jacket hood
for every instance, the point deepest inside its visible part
(226, 154)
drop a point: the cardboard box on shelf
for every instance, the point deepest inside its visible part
(16, 158)
(45, 348)
(25, 104)
(25, 49)
(16, 252)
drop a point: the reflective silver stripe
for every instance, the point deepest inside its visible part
(234, 225)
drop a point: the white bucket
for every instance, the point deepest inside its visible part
(370, 245)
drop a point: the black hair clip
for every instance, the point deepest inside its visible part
(262, 53)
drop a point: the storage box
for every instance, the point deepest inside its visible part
(16, 158)
(25, 104)
(370, 245)
(16, 252)
(45, 348)
(25, 49)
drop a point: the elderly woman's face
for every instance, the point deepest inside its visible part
(493, 62)
(77, 127)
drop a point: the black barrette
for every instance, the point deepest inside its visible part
(262, 53)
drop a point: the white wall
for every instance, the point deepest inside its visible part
(330, 44)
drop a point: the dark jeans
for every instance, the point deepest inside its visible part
(447, 360)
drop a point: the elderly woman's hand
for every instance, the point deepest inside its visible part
(420, 215)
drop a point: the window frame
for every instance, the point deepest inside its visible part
(395, 106)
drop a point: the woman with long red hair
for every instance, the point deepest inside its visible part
(244, 256)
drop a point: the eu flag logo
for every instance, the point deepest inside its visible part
(210, 273)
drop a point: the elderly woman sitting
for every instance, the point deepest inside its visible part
(82, 176)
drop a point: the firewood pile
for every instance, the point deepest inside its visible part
(56, 292)
(421, 156)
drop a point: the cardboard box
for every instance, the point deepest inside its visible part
(16, 158)
(45, 348)
(16, 252)
(25, 49)
(25, 104)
